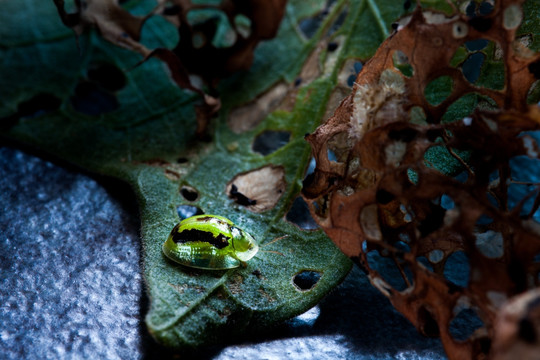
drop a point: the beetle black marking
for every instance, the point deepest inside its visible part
(193, 235)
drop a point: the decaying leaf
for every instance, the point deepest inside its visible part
(200, 50)
(386, 196)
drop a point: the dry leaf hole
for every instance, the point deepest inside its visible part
(438, 90)
(388, 269)
(37, 105)
(186, 211)
(457, 269)
(189, 193)
(306, 279)
(300, 216)
(464, 324)
(269, 141)
(401, 62)
(356, 68)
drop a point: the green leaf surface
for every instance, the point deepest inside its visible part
(143, 130)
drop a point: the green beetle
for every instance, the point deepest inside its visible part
(209, 242)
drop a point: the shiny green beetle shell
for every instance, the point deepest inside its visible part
(209, 242)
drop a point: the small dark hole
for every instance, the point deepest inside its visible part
(471, 67)
(457, 269)
(269, 141)
(485, 344)
(481, 24)
(182, 160)
(526, 331)
(300, 216)
(350, 80)
(107, 76)
(407, 4)
(306, 279)
(433, 221)
(384, 197)
(297, 82)
(39, 104)
(485, 8)
(240, 198)
(405, 135)
(171, 10)
(186, 211)
(428, 325)
(332, 46)
(90, 99)
(534, 68)
(189, 193)
(358, 66)
(476, 45)
(464, 324)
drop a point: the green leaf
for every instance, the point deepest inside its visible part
(141, 131)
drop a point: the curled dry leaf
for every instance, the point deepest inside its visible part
(198, 52)
(382, 198)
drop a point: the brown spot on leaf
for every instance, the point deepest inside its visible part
(260, 189)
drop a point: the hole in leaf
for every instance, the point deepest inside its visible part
(464, 324)
(438, 90)
(300, 216)
(490, 244)
(39, 104)
(186, 211)
(476, 45)
(457, 269)
(389, 271)
(306, 280)
(428, 324)
(90, 99)
(435, 256)
(401, 62)
(269, 141)
(108, 76)
(471, 67)
(182, 160)
(189, 193)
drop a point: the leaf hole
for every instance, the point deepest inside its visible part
(107, 75)
(398, 277)
(37, 105)
(457, 269)
(490, 244)
(300, 216)
(401, 62)
(464, 324)
(306, 280)
(427, 323)
(186, 211)
(269, 141)
(189, 193)
(472, 66)
(91, 99)
(438, 89)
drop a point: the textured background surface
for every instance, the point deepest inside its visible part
(70, 283)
